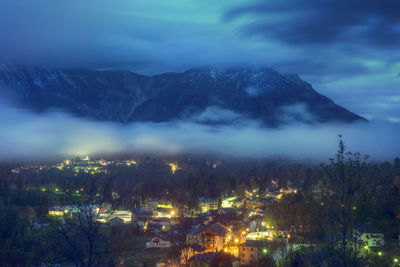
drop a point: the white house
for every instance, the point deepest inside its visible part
(373, 239)
(158, 242)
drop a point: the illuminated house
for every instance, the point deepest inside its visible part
(207, 204)
(373, 239)
(214, 237)
(251, 252)
(158, 242)
(370, 236)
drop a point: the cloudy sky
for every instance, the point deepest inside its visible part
(348, 49)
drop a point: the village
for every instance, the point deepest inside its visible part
(234, 227)
(146, 211)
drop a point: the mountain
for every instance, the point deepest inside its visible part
(201, 95)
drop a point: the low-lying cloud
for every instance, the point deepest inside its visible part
(25, 135)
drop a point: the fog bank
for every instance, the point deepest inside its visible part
(24, 134)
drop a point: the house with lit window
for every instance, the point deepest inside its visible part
(212, 237)
(158, 242)
(207, 204)
(252, 251)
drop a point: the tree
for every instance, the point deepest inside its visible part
(343, 189)
(83, 242)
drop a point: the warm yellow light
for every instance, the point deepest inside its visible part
(174, 167)
(225, 249)
(244, 232)
(236, 240)
(172, 213)
(247, 229)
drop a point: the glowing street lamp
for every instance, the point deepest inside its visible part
(264, 250)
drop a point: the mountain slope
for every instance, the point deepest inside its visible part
(203, 95)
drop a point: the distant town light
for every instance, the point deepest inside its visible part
(225, 250)
(264, 250)
(380, 253)
(396, 260)
(174, 167)
(236, 240)
(366, 247)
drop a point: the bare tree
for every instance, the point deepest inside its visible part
(79, 230)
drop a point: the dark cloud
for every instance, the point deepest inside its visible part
(376, 23)
(339, 46)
